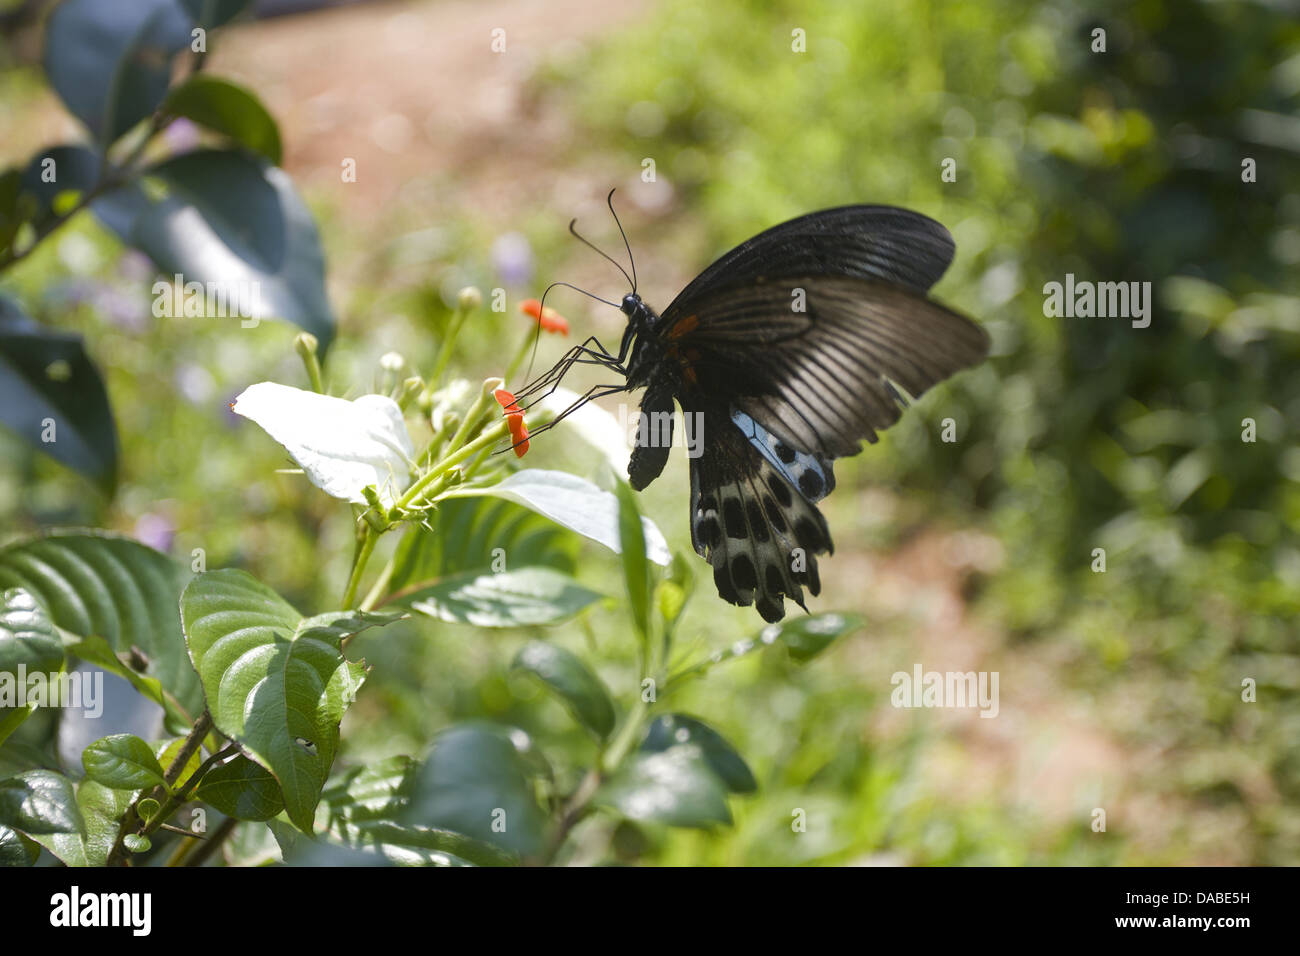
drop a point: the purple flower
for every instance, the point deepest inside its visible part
(512, 257)
(182, 135)
(155, 531)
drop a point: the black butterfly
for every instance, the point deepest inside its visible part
(788, 351)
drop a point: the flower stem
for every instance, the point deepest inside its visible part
(368, 541)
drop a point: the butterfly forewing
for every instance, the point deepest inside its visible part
(827, 378)
(867, 242)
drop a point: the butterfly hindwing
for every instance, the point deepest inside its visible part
(757, 530)
(811, 474)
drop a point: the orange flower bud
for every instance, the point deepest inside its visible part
(518, 432)
(548, 318)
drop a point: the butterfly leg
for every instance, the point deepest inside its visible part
(575, 355)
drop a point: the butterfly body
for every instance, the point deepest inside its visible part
(788, 352)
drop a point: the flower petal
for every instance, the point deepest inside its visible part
(342, 445)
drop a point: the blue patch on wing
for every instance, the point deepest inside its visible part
(809, 474)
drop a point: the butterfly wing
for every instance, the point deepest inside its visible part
(868, 242)
(825, 378)
(760, 534)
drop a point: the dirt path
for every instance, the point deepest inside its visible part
(415, 91)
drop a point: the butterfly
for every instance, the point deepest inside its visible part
(785, 354)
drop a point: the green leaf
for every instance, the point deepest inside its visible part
(60, 175)
(11, 719)
(806, 637)
(168, 752)
(674, 786)
(122, 762)
(233, 221)
(363, 811)
(524, 597)
(636, 569)
(102, 810)
(565, 675)
(570, 502)
(253, 844)
(477, 782)
(39, 802)
(52, 397)
(148, 808)
(673, 730)
(275, 681)
(675, 590)
(479, 534)
(27, 641)
(95, 650)
(126, 594)
(111, 62)
(137, 843)
(16, 849)
(242, 789)
(229, 109)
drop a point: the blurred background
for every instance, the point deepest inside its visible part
(1119, 690)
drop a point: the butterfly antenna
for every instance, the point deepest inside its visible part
(589, 245)
(609, 201)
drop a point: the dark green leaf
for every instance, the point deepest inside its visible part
(229, 109)
(122, 762)
(673, 730)
(58, 176)
(362, 811)
(675, 786)
(39, 802)
(102, 810)
(123, 593)
(526, 596)
(569, 678)
(111, 62)
(234, 222)
(52, 396)
(476, 782)
(26, 635)
(16, 849)
(275, 681)
(242, 789)
(479, 534)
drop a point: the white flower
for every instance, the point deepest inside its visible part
(343, 446)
